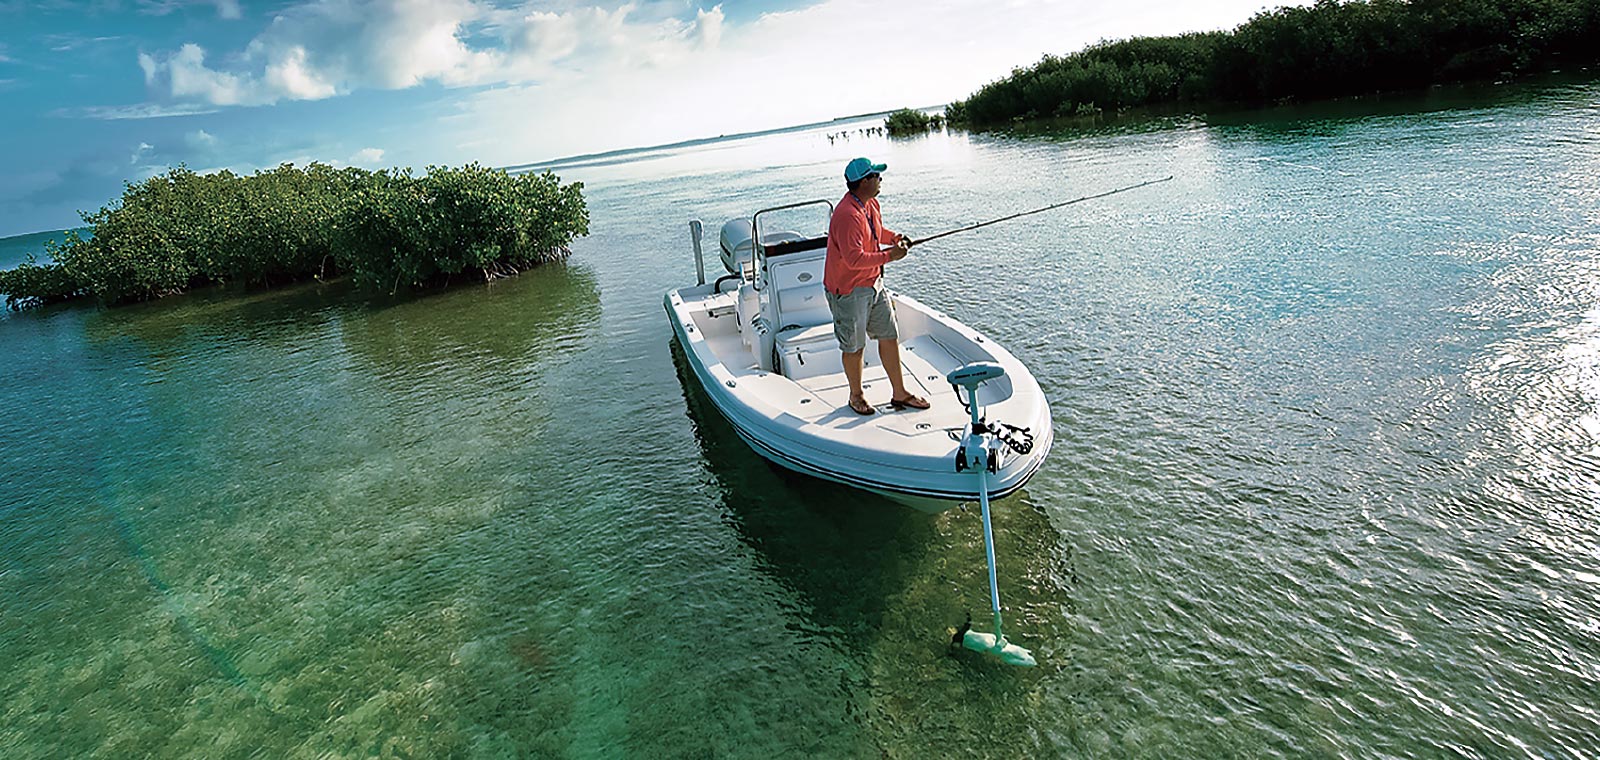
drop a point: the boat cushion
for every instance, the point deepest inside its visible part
(814, 333)
(808, 352)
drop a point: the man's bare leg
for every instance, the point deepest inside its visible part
(852, 373)
(889, 352)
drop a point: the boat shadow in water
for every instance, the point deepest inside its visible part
(869, 568)
(843, 550)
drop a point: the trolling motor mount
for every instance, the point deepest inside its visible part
(978, 447)
(978, 450)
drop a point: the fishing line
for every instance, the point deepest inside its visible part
(1052, 206)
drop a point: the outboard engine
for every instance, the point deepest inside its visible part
(737, 245)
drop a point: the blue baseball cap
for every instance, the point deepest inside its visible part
(861, 167)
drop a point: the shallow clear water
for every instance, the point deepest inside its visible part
(1325, 480)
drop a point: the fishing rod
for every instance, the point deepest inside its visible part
(969, 227)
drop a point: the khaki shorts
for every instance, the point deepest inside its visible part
(865, 312)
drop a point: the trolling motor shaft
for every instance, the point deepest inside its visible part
(980, 453)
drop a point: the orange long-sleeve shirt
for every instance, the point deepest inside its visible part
(855, 234)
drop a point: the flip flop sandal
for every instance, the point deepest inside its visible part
(910, 402)
(864, 409)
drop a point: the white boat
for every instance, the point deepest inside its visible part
(760, 341)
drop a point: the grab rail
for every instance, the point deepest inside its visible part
(762, 251)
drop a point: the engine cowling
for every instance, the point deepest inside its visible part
(738, 245)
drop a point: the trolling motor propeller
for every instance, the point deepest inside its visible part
(977, 453)
(960, 637)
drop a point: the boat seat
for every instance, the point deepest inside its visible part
(797, 286)
(805, 344)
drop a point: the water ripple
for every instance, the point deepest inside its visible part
(1325, 478)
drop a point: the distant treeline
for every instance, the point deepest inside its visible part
(382, 229)
(1329, 49)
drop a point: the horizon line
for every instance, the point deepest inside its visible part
(586, 157)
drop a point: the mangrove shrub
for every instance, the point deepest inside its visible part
(386, 229)
(1331, 48)
(909, 121)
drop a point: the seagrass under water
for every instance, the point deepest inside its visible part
(1324, 479)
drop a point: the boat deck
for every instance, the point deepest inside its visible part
(823, 399)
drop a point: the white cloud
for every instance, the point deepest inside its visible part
(367, 157)
(709, 24)
(329, 47)
(138, 111)
(187, 77)
(201, 140)
(140, 153)
(290, 75)
(69, 42)
(227, 9)
(385, 44)
(151, 69)
(548, 37)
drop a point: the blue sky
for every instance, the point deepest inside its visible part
(100, 92)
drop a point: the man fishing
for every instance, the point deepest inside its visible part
(852, 275)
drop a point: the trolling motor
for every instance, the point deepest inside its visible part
(980, 453)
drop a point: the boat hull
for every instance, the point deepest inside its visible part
(805, 426)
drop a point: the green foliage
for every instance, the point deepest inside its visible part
(909, 121)
(1332, 48)
(181, 230)
(35, 284)
(405, 230)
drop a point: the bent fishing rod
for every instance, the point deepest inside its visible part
(920, 241)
